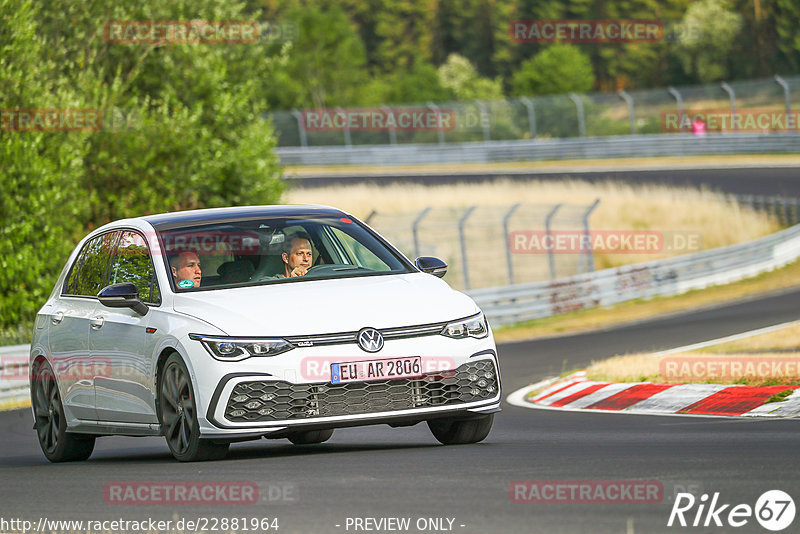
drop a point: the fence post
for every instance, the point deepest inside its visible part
(579, 107)
(370, 216)
(780, 81)
(484, 119)
(439, 131)
(347, 140)
(506, 218)
(679, 101)
(464, 244)
(415, 226)
(550, 259)
(728, 89)
(392, 132)
(531, 115)
(631, 112)
(589, 253)
(300, 128)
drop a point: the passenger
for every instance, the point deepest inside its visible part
(297, 255)
(186, 270)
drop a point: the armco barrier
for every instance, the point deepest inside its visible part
(522, 302)
(622, 146)
(13, 365)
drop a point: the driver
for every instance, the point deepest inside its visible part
(297, 255)
(186, 269)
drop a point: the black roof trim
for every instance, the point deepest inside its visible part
(167, 221)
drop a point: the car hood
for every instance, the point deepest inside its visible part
(328, 306)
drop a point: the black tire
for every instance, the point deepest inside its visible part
(177, 413)
(311, 437)
(461, 431)
(50, 423)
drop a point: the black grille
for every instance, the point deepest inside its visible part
(260, 401)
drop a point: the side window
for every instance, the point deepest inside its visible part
(88, 274)
(133, 263)
(363, 256)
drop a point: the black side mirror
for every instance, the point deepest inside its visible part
(125, 295)
(430, 265)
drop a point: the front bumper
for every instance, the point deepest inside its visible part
(247, 404)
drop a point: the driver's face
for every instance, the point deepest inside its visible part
(300, 256)
(188, 269)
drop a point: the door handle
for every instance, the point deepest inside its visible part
(57, 317)
(97, 322)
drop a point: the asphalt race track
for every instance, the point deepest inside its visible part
(380, 472)
(754, 180)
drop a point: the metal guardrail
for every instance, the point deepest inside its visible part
(14, 385)
(623, 146)
(671, 276)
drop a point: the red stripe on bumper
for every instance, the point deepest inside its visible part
(734, 400)
(629, 397)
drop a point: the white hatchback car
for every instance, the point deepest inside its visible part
(215, 326)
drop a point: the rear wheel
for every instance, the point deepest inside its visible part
(57, 444)
(310, 437)
(178, 416)
(461, 431)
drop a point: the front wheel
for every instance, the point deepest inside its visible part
(461, 431)
(57, 444)
(177, 414)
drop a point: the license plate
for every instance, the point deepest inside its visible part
(408, 367)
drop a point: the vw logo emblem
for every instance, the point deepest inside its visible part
(370, 340)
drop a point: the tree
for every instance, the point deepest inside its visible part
(555, 70)
(709, 31)
(460, 76)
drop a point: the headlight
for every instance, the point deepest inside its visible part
(232, 349)
(474, 326)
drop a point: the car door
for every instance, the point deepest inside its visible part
(69, 325)
(123, 393)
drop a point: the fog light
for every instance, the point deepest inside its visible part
(265, 411)
(472, 378)
(237, 413)
(490, 389)
(488, 374)
(253, 405)
(482, 383)
(240, 398)
(267, 397)
(474, 391)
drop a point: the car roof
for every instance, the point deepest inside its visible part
(166, 221)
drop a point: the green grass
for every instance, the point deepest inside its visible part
(780, 396)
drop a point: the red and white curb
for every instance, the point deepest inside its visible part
(576, 392)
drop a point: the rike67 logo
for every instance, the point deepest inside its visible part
(774, 510)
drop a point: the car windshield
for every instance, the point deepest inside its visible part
(277, 250)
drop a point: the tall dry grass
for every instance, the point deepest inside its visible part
(623, 206)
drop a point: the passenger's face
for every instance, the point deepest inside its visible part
(300, 256)
(188, 268)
